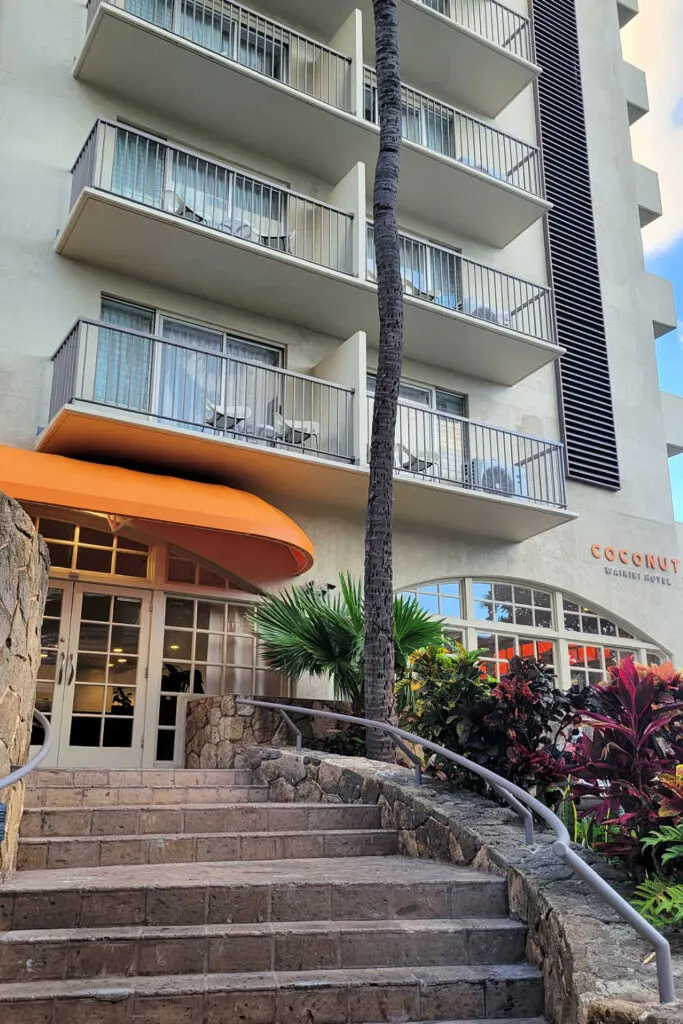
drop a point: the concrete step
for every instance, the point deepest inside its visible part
(32, 956)
(195, 818)
(285, 997)
(352, 888)
(51, 797)
(104, 851)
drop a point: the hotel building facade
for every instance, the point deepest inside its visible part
(189, 335)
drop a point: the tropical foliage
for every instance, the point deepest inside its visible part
(312, 630)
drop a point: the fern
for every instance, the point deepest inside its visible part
(660, 902)
(670, 836)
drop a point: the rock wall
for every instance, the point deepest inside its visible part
(593, 964)
(217, 728)
(24, 567)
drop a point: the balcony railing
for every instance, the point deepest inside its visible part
(448, 279)
(491, 20)
(177, 181)
(214, 394)
(470, 142)
(443, 448)
(255, 42)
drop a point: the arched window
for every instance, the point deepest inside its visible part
(507, 618)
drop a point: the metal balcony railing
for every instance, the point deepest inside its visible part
(491, 20)
(447, 279)
(443, 448)
(184, 184)
(206, 391)
(470, 142)
(249, 39)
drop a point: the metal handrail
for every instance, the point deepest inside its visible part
(18, 773)
(524, 804)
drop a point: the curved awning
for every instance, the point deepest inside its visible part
(232, 529)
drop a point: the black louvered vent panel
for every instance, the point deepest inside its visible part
(584, 373)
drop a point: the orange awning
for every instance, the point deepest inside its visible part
(232, 529)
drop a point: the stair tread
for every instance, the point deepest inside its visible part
(186, 984)
(261, 834)
(114, 932)
(202, 807)
(329, 871)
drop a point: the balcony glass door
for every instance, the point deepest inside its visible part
(124, 361)
(93, 674)
(190, 387)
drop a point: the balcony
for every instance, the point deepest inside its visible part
(648, 195)
(121, 393)
(307, 104)
(459, 171)
(502, 484)
(478, 54)
(125, 396)
(478, 310)
(166, 214)
(627, 10)
(635, 89)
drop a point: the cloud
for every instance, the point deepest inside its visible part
(653, 41)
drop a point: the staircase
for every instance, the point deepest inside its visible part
(187, 898)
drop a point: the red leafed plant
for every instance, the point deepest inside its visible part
(622, 776)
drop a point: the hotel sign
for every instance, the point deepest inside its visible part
(637, 565)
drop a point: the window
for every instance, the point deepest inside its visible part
(209, 647)
(444, 599)
(589, 664)
(429, 271)
(250, 45)
(77, 548)
(500, 648)
(505, 602)
(506, 618)
(578, 619)
(424, 121)
(422, 394)
(183, 570)
(124, 358)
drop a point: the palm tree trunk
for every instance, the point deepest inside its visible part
(379, 619)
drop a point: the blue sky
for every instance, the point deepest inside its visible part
(653, 41)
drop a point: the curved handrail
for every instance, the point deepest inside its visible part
(561, 846)
(19, 773)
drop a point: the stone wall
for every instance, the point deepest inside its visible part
(593, 963)
(24, 567)
(217, 728)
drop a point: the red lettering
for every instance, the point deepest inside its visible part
(663, 564)
(651, 561)
(637, 558)
(623, 556)
(675, 562)
(610, 554)
(595, 551)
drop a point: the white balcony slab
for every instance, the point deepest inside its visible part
(275, 120)
(438, 54)
(649, 195)
(672, 410)
(291, 477)
(635, 89)
(127, 237)
(662, 305)
(627, 11)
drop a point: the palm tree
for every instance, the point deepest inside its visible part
(379, 630)
(308, 630)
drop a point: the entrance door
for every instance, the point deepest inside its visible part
(98, 664)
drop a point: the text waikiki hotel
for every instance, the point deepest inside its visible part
(189, 335)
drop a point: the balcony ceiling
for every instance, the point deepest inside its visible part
(267, 117)
(126, 237)
(289, 478)
(437, 54)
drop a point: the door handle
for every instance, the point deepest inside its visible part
(60, 669)
(72, 671)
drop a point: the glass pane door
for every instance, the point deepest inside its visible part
(53, 642)
(190, 385)
(104, 678)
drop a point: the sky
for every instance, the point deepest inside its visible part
(653, 41)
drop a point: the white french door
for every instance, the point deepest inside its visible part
(92, 678)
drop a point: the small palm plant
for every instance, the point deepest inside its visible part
(307, 629)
